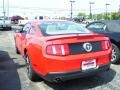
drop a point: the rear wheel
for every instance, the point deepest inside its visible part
(30, 72)
(115, 54)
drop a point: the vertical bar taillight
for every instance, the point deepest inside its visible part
(105, 45)
(58, 49)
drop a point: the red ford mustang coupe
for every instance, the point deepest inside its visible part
(62, 50)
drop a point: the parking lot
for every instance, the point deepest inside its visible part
(13, 73)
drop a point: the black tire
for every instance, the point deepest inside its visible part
(115, 54)
(30, 72)
(17, 51)
(9, 28)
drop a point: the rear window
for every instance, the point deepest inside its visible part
(57, 28)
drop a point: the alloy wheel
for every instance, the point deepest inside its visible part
(28, 66)
(114, 54)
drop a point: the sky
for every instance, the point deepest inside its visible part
(56, 7)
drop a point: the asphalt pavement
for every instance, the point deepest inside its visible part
(13, 74)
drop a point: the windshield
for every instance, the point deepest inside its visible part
(55, 28)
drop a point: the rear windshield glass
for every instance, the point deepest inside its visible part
(56, 28)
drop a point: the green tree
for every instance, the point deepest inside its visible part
(81, 15)
(99, 16)
(115, 16)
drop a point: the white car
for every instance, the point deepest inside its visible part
(5, 24)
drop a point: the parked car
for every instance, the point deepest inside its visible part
(110, 28)
(62, 50)
(5, 24)
(15, 19)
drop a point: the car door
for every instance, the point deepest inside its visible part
(22, 37)
(102, 28)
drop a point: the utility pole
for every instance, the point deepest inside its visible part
(119, 10)
(3, 12)
(8, 10)
(91, 9)
(106, 9)
(71, 9)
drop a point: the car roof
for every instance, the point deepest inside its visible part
(112, 25)
(51, 20)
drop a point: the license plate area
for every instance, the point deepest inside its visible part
(89, 64)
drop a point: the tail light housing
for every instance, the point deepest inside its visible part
(58, 50)
(106, 44)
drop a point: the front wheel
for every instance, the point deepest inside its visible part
(17, 51)
(115, 54)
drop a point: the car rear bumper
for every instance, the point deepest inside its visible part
(63, 76)
(5, 26)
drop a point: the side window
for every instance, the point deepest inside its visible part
(97, 26)
(26, 28)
